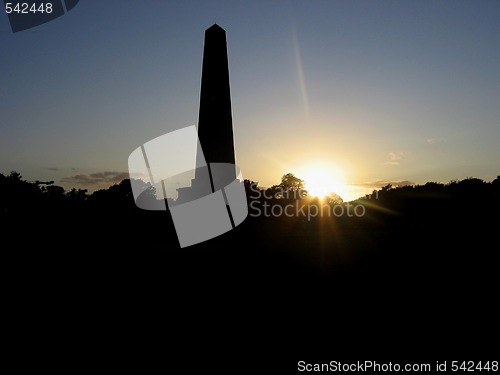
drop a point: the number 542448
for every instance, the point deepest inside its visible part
(25, 8)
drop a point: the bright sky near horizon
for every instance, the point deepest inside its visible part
(366, 92)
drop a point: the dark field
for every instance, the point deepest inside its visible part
(418, 281)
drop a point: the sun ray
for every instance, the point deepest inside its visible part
(300, 74)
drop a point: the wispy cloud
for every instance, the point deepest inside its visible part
(357, 190)
(431, 141)
(94, 181)
(52, 169)
(377, 184)
(394, 158)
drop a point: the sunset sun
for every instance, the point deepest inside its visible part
(322, 180)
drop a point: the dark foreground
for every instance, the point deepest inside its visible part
(272, 292)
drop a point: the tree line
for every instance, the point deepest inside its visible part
(18, 195)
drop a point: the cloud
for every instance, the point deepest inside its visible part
(52, 169)
(361, 189)
(94, 181)
(394, 158)
(431, 141)
(379, 183)
(139, 175)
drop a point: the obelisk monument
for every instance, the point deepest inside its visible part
(215, 123)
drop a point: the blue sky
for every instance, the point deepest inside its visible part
(370, 92)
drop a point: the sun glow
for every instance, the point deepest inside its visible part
(322, 180)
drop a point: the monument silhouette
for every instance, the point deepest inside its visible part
(215, 124)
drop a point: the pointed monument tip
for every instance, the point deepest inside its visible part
(215, 27)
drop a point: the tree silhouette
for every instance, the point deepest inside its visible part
(290, 187)
(430, 203)
(18, 194)
(290, 182)
(496, 182)
(252, 189)
(118, 197)
(334, 198)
